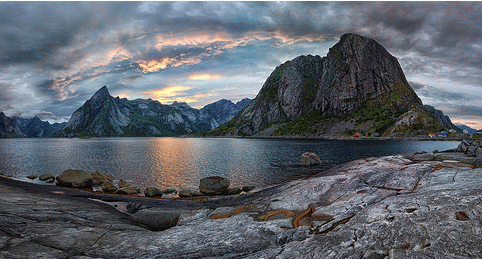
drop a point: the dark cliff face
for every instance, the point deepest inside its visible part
(100, 116)
(8, 127)
(358, 68)
(441, 117)
(36, 128)
(287, 93)
(223, 110)
(358, 73)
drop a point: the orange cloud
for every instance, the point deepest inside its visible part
(227, 41)
(169, 91)
(194, 39)
(198, 77)
(214, 44)
(116, 54)
(150, 66)
(178, 93)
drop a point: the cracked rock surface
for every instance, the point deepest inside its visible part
(388, 207)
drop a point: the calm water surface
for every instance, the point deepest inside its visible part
(182, 162)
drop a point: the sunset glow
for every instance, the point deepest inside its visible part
(151, 66)
(63, 52)
(200, 77)
(169, 91)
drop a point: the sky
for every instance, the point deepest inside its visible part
(55, 55)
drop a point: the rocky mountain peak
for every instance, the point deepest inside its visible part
(104, 116)
(180, 105)
(8, 127)
(441, 117)
(356, 68)
(357, 73)
(100, 96)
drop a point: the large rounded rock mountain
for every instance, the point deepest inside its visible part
(358, 86)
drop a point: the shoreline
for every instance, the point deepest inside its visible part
(323, 216)
(296, 137)
(194, 187)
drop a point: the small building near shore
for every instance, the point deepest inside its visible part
(442, 134)
(432, 135)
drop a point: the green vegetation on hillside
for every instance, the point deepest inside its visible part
(300, 125)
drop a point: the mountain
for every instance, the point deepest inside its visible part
(358, 87)
(36, 128)
(9, 128)
(223, 110)
(465, 127)
(442, 118)
(105, 116)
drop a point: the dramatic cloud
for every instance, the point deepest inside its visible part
(55, 55)
(197, 77)
(171, 94)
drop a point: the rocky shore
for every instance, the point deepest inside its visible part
(426, 205)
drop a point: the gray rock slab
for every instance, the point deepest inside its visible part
(156, 220)
(373, 208)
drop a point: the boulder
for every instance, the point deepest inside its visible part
(185, 193)
(108, 187)
(471, 150)
(464, 145)
(46, 177)
(102, 177)
(478, 157)
(128, 190)
(51, 180)
(169, 191)
(214, 185)
(32, 177)
(123, 184)
(75, 178)
(152, 191)
(234, 190)
(310, 158)
(156, 220)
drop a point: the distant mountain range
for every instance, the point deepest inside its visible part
(36, 128)
(442, 118)
(106, 116)
(465, 127)
(9, 127)
(358, 88)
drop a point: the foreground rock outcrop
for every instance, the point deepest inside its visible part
(75, 178)
(214, 185)
(310, 158)
(370, 208)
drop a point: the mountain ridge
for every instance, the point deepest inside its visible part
(358, 87)
(106, 116)
(442, 118)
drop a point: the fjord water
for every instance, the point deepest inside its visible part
(182, 162)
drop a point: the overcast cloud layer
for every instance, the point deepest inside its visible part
(55, 55)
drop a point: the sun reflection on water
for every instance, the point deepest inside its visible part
(171, 162)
